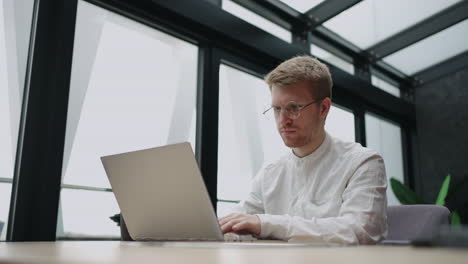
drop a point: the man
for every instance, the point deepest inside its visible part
(325, 190)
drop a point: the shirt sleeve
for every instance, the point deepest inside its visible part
(253, 204)
(362, 218)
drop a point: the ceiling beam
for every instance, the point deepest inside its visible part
(333, 42)
(275, 11)
(288, 17)
(441, 69)
(421, 30)
(328, 9)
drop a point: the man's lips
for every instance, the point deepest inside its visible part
(287, 131)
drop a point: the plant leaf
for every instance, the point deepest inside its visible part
(456, 219)
(457, 187)
(443, 191)
(403, 193)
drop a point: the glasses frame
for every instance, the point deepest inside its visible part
(290, 114)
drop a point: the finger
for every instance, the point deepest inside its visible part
(224, 217)
(242, 232)
(224, 220)
(250, 225)
(242, 226)
(228, 218)
(227, 227)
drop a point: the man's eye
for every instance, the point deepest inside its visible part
(292, 108)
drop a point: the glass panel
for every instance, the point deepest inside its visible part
(302, 5)
(332, 59)
(15, 27)
(386, 86)
(441, 46)
(5, 194)
(224, 208)
(247, 140)
(132, 87)
(123, 101)
(385, 138)
(340, 123)
(257, 20)
(86, 214)
(372, 21)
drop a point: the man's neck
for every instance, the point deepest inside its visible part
(310, 148)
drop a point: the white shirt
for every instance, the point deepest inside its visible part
(337, 194)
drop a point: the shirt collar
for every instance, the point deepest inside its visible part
(314, 155)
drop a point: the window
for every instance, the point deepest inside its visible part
(257, 20)
(247, 140)
(385, 138)
(15, 27)
(372, 21)
(86, 213)
(386, 86)
(441, 46)
(340, 123)
(132, 87)
(332, 59)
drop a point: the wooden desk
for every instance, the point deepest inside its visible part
(186, 252)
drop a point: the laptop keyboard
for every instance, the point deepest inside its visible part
(233, 237)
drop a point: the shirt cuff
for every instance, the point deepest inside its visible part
(265, 225)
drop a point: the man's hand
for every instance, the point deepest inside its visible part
(240, 223)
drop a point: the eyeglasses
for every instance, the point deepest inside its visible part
(291, 109)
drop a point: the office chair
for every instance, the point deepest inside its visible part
(410, 222)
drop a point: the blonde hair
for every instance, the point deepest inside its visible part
(299, 69)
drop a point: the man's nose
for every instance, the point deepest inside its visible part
(284, 119)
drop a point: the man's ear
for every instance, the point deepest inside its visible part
(325, 107)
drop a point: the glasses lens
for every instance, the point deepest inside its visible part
(292, 110)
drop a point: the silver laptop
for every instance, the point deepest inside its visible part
(161, 194)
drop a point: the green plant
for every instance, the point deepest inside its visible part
(407, 196)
